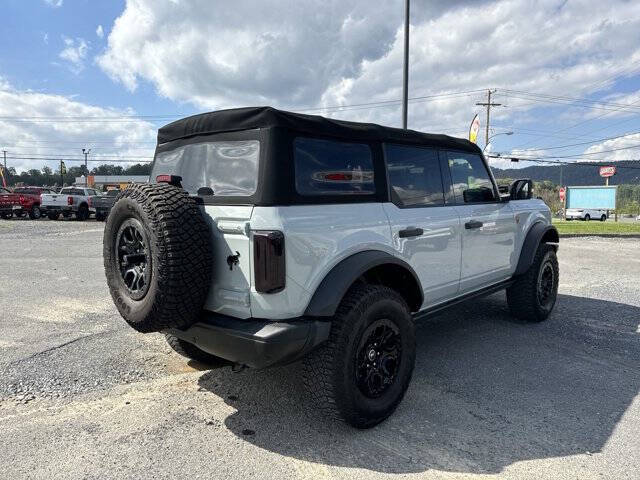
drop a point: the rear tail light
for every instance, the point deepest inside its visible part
(21, 199)
(69, 200)
(174, 180)
(268, 261)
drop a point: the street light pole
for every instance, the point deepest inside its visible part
(86, 168)
(405, 69)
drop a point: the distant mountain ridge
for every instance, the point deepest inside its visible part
(575, 174)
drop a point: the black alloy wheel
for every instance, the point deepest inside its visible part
(133, 258)
(378, 358)
(546, 282)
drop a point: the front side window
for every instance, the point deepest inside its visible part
(329, 167)
(229, 168)
(414, 176)
(471, 181)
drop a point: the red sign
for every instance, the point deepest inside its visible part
(607, 171)
(561, 193)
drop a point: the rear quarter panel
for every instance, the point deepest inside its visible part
(317, 238)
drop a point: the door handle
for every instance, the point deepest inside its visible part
(410, 232)
(472, 224)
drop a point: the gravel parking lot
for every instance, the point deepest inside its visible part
(84, 396)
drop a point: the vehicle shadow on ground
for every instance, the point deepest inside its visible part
(486, 393)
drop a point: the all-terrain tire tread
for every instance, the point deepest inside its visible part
(320, 365)
(182, 255)
(522, 295)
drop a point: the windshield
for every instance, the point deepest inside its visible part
(229, 168)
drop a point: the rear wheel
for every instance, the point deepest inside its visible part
(532, 297)
(603, 218)
(19, 213)
(53, 215)
(100, 216)
(35, 212)
(83, 213)
(190, 351)
(7, 215)
(362, 372)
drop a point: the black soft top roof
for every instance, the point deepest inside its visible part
(248, 118)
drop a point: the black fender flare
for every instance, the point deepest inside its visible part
(536, 234)
(335, 284)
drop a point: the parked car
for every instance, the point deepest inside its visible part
(103, 204)
(268, 236)
(76, 201)
(586, 214)
(23, 201)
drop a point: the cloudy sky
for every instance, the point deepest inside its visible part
(105, 75)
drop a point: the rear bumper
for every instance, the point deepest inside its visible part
(255, 343)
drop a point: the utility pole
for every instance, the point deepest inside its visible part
(6, 172)
(488, 104)
(405, 66)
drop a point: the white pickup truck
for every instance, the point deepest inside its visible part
(76, 201)
(586, 214)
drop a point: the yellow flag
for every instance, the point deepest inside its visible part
(474, 128)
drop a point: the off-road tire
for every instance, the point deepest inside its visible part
(178, 256)
(329, 372)
(190, 351)
(83, 213)
(35, 213)
(53, 215)
(523, 298)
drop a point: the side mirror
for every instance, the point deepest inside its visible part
(521, 189)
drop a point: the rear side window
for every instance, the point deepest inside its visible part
(329, 167)
(414, 176)
(471, 182)
(229, 168)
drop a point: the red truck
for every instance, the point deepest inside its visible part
(22, 201)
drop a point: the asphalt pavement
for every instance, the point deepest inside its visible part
(83, 396)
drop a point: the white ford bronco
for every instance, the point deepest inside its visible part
(266, 237)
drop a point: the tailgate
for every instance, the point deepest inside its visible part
(53, 199)
(230, 291)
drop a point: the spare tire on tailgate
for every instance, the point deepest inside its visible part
(157, 257)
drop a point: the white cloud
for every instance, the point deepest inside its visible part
(623, 148)
(348, 52)
(100, 31)
(23, 136)
(54, 3)
(45, 38)
(75, 53)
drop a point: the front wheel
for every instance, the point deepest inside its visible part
(533, 295)
(7, 215)
(361, 373)
(53, 215)
(587, 217)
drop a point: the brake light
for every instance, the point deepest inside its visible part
(69, 200)
(21, 199)
(174, 180)
(268, 261)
